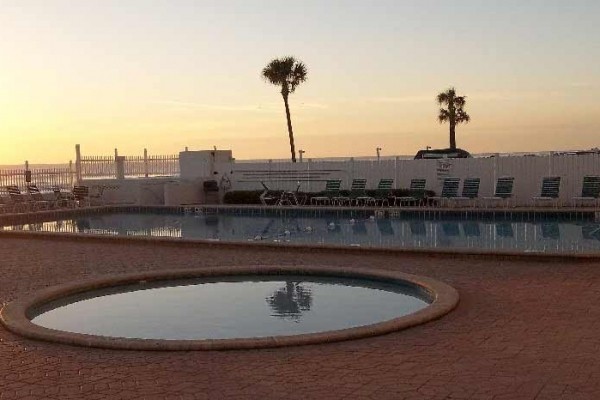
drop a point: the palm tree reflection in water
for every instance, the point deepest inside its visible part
(290, 301)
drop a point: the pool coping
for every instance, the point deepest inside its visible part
(444, 298)
(170, 241)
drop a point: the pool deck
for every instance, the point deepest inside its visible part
(524, 329)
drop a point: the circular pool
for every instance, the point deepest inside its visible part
(230, 307)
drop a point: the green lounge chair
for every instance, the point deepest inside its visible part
(417, 193)
(504, 190)
(357, 191)
(470, 191)
(332, 190)
(383, 193)
(590, 191)
(449, 190)
(550, 190)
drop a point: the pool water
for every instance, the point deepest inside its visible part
(240, 307)
(550, 235)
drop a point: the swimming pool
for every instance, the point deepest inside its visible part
(545, 232)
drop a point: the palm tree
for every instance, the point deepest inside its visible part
(290, 301)
(454, 114)
(288, 73)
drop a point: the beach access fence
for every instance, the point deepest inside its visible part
(105, 167)
(90, 167)
(43, 178)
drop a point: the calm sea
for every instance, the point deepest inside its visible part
(33, 166)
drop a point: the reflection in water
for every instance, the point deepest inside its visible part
(82, 224)
(550, 231)
(504, 229)
(359, 228)
(385, 226)
(591, 232)
(450, 229)
(417, 228)
(552, 234)
(290, 301)
(211, 220)
(471, 229)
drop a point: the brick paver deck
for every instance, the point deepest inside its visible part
(523, 330)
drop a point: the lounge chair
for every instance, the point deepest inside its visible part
(289, 198)
(18, 201)
(81, 195)
(470, 191)
(590, 191)
(357, 194)
(383, 193)
(417, 192)
(38, 200)
(5, 206)
(550, 190)
(504, 190)
(332, 190)
(62, 199)
(268, 197)
(449, 190)
(90, 196)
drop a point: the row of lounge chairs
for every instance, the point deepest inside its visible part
(33, 199)
(450, 194)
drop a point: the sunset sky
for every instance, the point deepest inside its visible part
(169, 74)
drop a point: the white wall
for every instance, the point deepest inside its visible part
(527, 170)
(202, 163)
(139, 191)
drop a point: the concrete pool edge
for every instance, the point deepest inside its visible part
(444, 298)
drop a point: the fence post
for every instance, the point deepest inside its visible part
(78, 164)
(351, 171)
(146, 163)
(70, 173)
(270, 170)
(120, 167)
(117, 164)
(27, 174)
(308, 165)
(396, 172)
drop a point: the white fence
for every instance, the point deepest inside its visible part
(528, 172)
(43, 178)
(153, 165)
(95, 167)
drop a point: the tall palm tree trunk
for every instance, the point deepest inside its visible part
(289, 124)
(452, 136)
